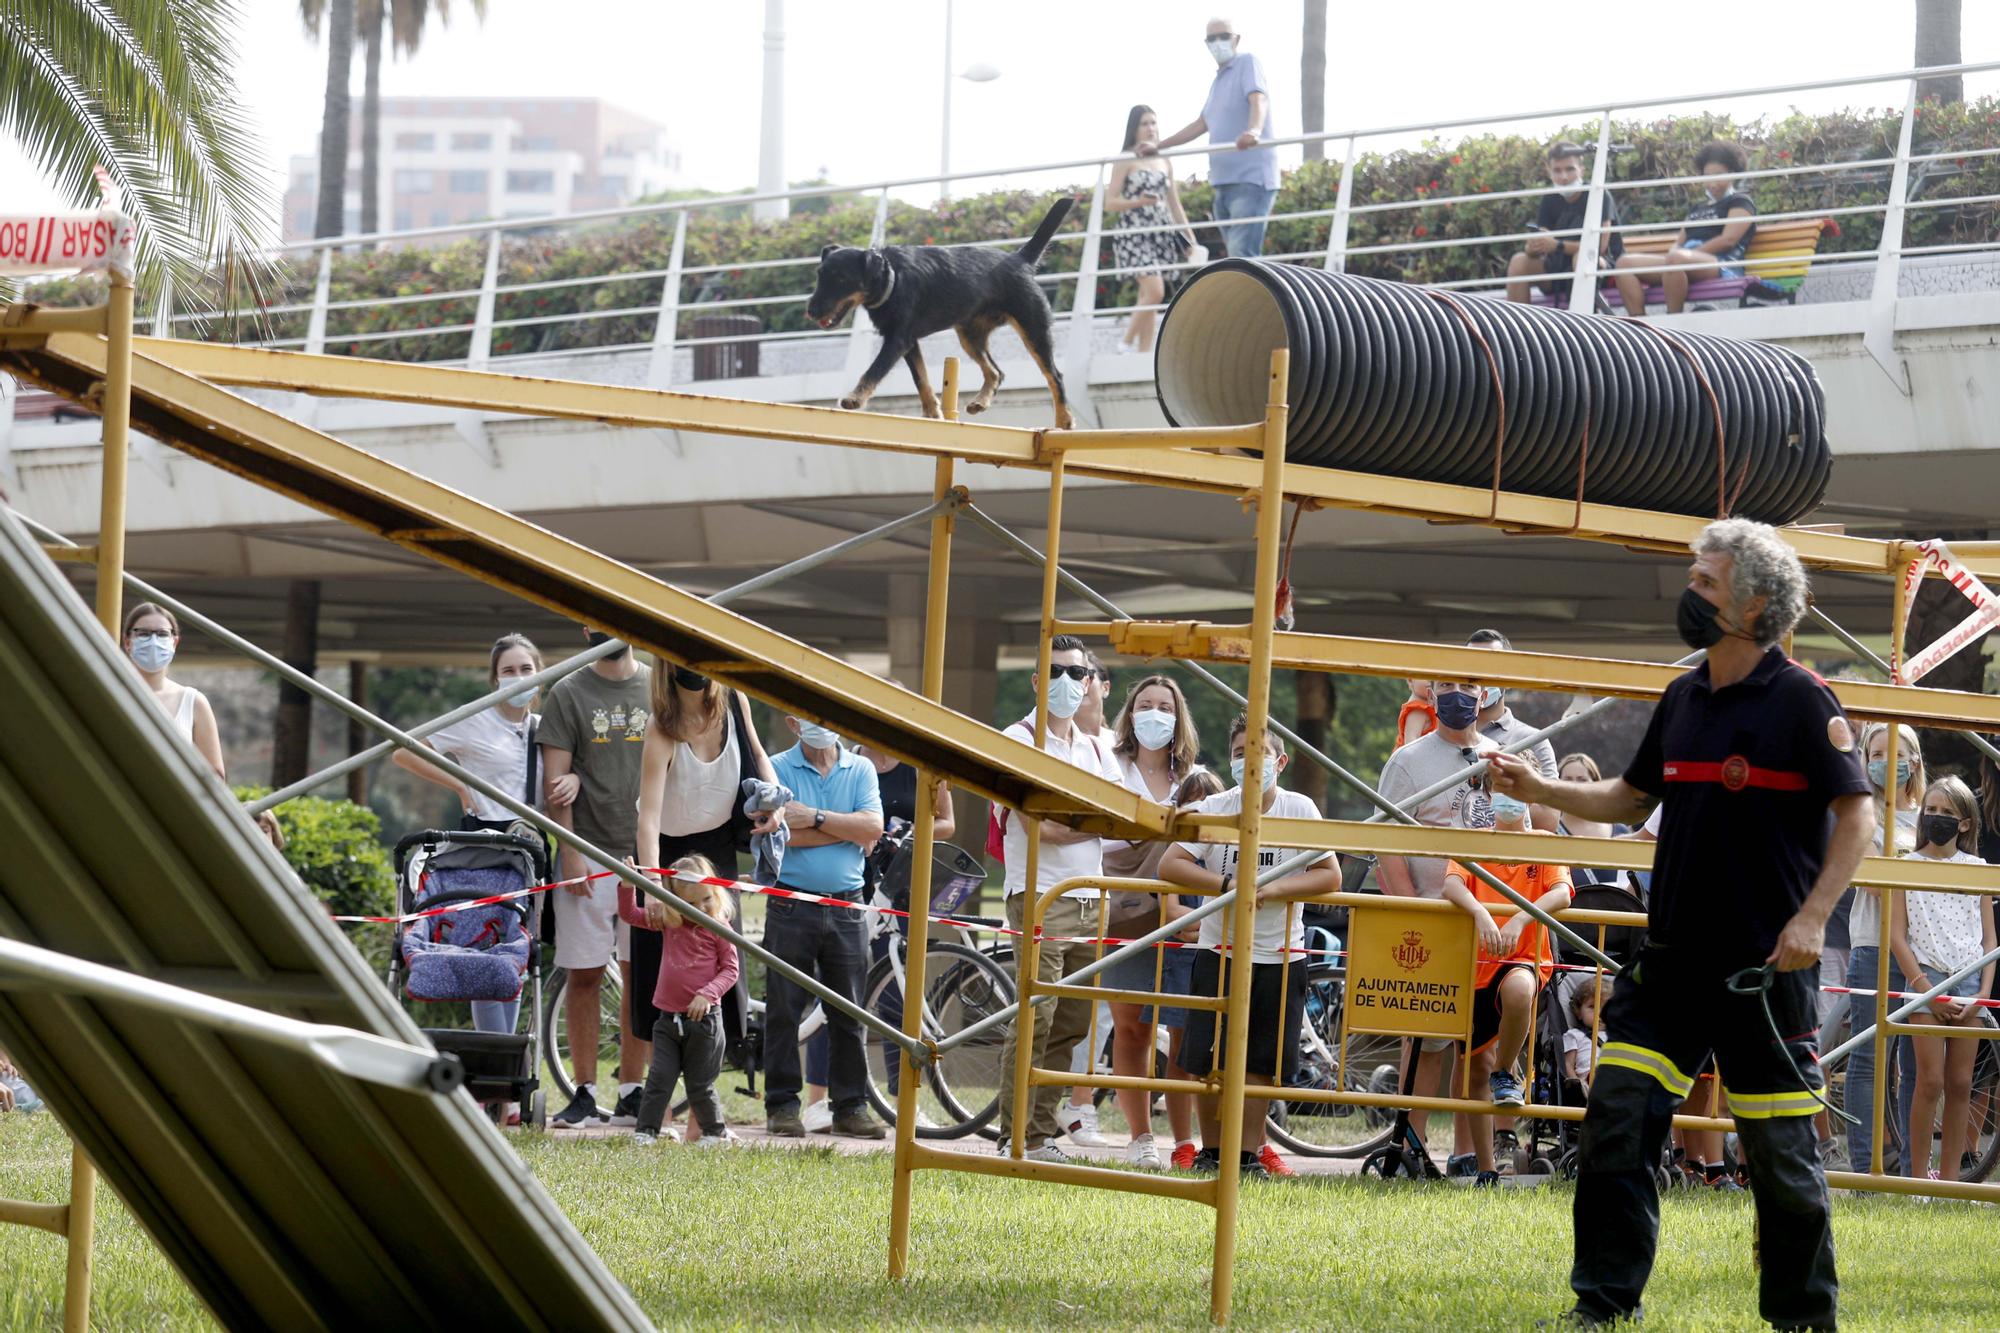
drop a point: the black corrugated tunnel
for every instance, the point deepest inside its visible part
(1416, 382)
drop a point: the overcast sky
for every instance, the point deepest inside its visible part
(863, 80)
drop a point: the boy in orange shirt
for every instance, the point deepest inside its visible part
(1514, 964)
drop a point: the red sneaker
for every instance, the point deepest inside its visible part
(1183, 1158)
(1274, 1164)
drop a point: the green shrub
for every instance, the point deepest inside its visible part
(335, 847)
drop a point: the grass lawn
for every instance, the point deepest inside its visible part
(747, 1238)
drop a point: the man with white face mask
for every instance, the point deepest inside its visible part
(1237, 114)
(1065, 854)
(835, 818)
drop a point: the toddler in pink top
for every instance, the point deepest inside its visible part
(696, 969)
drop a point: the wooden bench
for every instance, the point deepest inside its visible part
(1774, 267)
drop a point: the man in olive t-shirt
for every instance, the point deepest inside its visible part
(593, 737)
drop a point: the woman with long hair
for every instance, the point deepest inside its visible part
(700, 746)
(151, 636)
(497, 745)
(1143, 195)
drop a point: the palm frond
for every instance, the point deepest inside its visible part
(147, 89)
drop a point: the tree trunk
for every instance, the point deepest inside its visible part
(358, 736)
(372, 13)
(1315, 716)
(1938, 32)
(1312, 79)
(333, 131)
(291, 732)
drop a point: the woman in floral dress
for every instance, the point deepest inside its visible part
(1143, 196)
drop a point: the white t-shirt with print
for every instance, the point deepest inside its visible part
(1270, 940)
(1945, 932)
(1577, 1040)
(489, 746)
(1059, 861)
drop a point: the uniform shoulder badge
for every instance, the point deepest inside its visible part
(1839, 735)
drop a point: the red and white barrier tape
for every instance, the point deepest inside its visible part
(1985, 615)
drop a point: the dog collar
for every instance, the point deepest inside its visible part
(885, 290)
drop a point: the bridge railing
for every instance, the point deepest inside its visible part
(643, 309)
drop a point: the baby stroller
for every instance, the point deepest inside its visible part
(1549, 1146)
(486, 952)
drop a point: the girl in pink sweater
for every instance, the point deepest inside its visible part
(696, 969)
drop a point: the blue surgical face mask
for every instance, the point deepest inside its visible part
(523, 698)
(1222, 48)
(1065, 695)
(1153, 727)
(152, 651)
(1508, 809)
(1456, 709)
(1878, 772)
(1489, 696)
(816, 736)
(1270, 771)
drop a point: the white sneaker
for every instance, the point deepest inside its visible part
(1048, 1152)
(1079, 1124)
(819, 1116)
(726, 1139)
(1140, 1152)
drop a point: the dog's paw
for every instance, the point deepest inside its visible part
(851, 403)
(1064, 421)
(974, 408)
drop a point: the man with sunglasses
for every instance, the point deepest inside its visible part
(1421, 764)
(1065, 854)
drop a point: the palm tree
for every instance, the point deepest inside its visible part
(405, 20)
(1312, 77)
(147, 89)
(1939, 27)
(339, 18)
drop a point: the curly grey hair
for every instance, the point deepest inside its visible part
(1761, 565)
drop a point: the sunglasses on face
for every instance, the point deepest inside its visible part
(1077, 672)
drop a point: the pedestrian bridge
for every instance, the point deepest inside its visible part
(1905, 336)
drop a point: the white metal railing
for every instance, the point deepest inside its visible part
(475, 315)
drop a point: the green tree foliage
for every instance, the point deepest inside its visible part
(335, 847)
(146, 89)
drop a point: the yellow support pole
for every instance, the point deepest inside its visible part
(917, 952)
(1240, 960)
(1027, 954)
(82, 1228)
(1891, 793)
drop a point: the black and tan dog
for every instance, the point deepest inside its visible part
(910, 291)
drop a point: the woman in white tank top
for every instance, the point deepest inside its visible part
(150, 637)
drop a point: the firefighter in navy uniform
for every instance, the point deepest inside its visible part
(1767, 815)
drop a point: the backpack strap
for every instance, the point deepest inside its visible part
(532, 797)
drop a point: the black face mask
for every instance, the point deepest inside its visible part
(690, 680)
(1695, 618)
(596, 637)
(1939, 830)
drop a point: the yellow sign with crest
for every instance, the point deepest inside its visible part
(1409, 971)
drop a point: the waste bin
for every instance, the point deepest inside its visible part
(725, 360)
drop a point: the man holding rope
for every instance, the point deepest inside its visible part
(1767, 815)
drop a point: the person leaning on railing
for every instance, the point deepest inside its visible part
(1562, 210)
(1237, 114)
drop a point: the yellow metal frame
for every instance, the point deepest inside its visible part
(180, 383)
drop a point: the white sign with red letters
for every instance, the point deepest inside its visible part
(68, 243)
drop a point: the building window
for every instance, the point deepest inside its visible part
(440, 217)
(534, 143)
(415, 143)
(611, 184)
(407, 181)
(404, 220)
(471, 143)
(531, 182)
(468, 182)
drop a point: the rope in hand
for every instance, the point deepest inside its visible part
(1757, 981)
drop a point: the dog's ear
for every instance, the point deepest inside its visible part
(878, 269)
(827, 251)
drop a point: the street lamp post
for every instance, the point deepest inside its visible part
(974, 73)
(771, 148)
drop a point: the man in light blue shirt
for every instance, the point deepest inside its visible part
(835, 816)
(1237, 114)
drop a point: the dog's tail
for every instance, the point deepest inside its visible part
(1031, 253)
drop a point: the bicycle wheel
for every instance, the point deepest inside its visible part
(1321, 1129)
(1983, 1147)
(555, 1027)
(961, 1091)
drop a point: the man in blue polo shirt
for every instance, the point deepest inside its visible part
(835, 816)
(1236, 115)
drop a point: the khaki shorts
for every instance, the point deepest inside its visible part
(588, 931)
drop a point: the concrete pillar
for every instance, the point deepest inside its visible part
(359, 737)
(1315, 715)
(771, 137)
(291, 731)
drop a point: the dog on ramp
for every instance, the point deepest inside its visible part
(910, 291)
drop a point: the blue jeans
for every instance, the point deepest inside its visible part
(1244, 239)
(1860, 1096)
(495, 1015)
